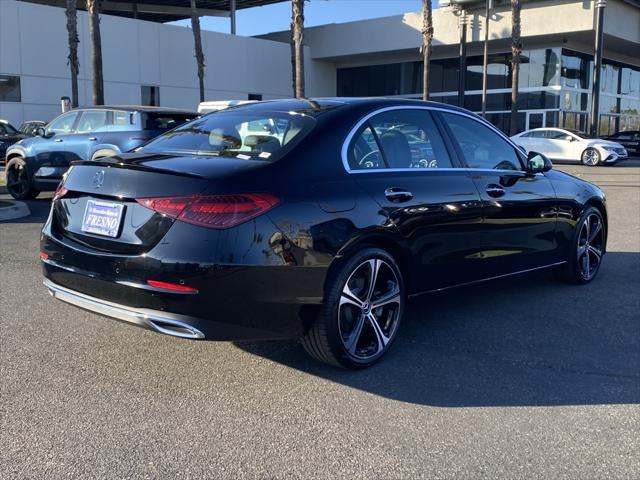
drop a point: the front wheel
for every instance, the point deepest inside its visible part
(19, 182)
(361, 312)
(585, 256)
(590, 157)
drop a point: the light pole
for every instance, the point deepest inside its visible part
(594, 119)
(485, 59)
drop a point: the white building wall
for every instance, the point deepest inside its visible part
(34, 46)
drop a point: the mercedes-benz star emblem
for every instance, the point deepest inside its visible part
(98, 179)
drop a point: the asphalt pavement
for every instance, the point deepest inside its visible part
(519, 378)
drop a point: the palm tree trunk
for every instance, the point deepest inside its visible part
(93, 9)
(197, 38)
(516, 49)
(74, 66)
(297, 55)
(427, 39)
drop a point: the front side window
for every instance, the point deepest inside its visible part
(481, 147)
(228, 134)
(399, 139)
(63, 124)
(92, 120)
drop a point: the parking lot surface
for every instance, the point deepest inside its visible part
(519, 378)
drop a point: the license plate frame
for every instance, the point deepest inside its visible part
(102, 218)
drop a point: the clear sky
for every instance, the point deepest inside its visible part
(272, 18)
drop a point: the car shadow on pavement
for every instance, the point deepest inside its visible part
(524, 341)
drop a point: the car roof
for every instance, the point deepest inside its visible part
(316, 106)
(139, 108)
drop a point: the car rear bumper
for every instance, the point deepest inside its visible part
(233, 302)
(163, 322)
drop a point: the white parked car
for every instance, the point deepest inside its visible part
(572, 145)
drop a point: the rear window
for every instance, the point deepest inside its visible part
(165, 121)
(233, 133)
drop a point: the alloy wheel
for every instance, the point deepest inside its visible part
(370, 308)
(18, 180)
(590, 246)
(591, 157)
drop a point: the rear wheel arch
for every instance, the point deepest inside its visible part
(384, 242)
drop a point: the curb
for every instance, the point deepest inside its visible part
(17, 210)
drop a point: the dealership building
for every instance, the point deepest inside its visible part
(147, 61)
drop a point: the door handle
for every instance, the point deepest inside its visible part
(398, 195)
(494, 190)
(93, 139)
(58, 140)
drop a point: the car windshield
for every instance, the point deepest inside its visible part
(234, 133)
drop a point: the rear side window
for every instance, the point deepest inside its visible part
(481, 147)
(91, 121)
(164, 122)
(399, 139)
(244, 135)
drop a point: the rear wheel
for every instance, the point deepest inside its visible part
(587, 250)
(590, 157)
(361, 311)
(19, 181)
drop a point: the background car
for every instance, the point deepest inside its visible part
(321, 230)
(629, 140)
(571, 145)
(37, 164)
(29, 128)
(8, 136)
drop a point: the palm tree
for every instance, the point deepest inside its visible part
(297, 57)
(197, 37)
(93, 9)
(516, 49)
(427, 39)
(72, 30)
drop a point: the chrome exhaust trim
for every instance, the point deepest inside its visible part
(161, 322)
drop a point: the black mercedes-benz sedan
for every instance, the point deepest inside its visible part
(312, 219)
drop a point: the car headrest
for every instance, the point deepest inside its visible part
(262, 143)
(396, 149)
(225, 138)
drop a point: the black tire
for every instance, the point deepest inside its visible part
(19, 180)
(574, 270)
(591, 157)
(327, 342)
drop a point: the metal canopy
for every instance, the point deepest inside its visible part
(163, 10)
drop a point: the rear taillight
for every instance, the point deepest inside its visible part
(212, 211)
(60, 192)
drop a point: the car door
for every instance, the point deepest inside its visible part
(50, 150)
(89, 131)
(400, 158)
(519, 209)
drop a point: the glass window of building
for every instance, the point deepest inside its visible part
(10, 88)
(150, 95)
(576, 69)
(540, 68)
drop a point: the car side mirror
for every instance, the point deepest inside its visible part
(538, 163)
(568, 138)
(40, 132)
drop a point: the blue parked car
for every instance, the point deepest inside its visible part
(37, 164)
